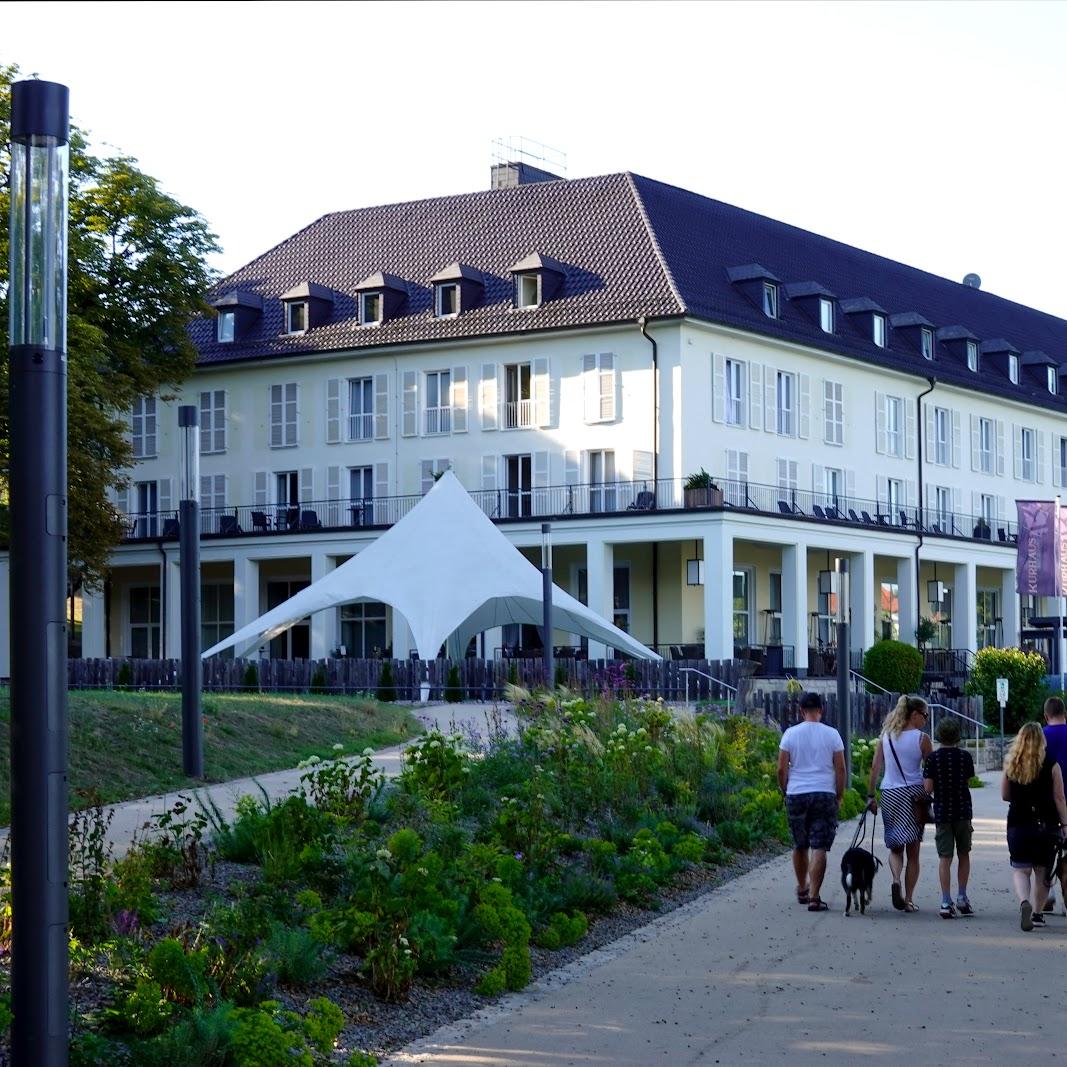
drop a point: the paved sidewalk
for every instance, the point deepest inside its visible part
(745, 975)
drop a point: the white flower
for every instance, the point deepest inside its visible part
(384, 854)
(368, 752)
(496, 879)
(407, 952)
(338, 747)
(434, 744)
(423, 871)
(312, 760)
(404, 940)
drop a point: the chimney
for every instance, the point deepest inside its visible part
(507, 175)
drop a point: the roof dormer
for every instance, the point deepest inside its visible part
(536, 279)
(815, 302)
(235, 315)
(759, 286)
(1004, 356)
(961, 343)
(456, 288)
(916, 332)
(1042, 370)
(306, 306)
(869, 319)
(381, 296)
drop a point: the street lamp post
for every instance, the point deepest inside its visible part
(546, 592)
(189, 560)
(844, 711)
(37, 336)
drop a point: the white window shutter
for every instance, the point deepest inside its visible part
(292, 429)
(755, 396)
(818, 480)
(1017, 440)
(783, 472)
(541, 404)
(999, 501)
(804, 394)
(381, 480)
(609, 384)
(976, 444)
(410, 424)
(381, 406)
(718, 388)
(881, 444)
(909, 427)
(850, 486)
(260, 489)
(489, 482)
(487, 398)
(572, 467)
(1055, 460)
(1000, 448)
(426, 476)
(642, 468)
(275, 416)
(540, 469)
(459, 399)
(307, 484)
(590, 392)
(166, 493)
(333, 411)
(122, 500)
(957, 501)
(931, 435)
(1040, 447)
(770, 395)
(957, 449)
(882, 490)
(333, 496)
(207, 495)
(976, 505)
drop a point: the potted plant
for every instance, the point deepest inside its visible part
(925, 632)
(701, 491)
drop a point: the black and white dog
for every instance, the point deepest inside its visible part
(858, 868)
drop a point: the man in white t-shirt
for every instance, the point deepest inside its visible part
(811, 774)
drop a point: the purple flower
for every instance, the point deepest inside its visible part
(125, 922)
(518, 855)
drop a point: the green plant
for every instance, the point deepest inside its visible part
(499, 921)
(146, 1010)
(341, 786)
(200, 1039)
(453, 685)
(699, 480)
(1026, 673)
(296, 956)
(323, 1022)
(926, 631)
(320, 683)
(361, 1059)
(178, 972)
(894, 665)
(435, 766)
(89, 859)
(562, 930)
(174, 844)
(124, 677)
(268, 1036)
(250, 679)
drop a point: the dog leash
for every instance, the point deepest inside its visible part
(859, 837)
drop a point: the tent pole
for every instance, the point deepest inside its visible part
(546, 573)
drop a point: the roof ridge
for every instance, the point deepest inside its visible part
(668, 273)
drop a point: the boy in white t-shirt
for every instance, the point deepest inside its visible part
(811, 774)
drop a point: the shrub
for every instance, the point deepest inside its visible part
(124, 678)
(894, 666)
(1025, 672)
(562, 930)
(435, 766)
(296, 956)
(340, 786)
(320, 683)
(179, 974)
(250, 679)
(453, 685)
(386, 683)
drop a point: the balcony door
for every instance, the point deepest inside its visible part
(145, 627)
(518, 472)
(147, 509)
(602, 481)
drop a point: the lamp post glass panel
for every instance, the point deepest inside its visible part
(37, 335)
(844, 712)
(546, 587)
(189, 556)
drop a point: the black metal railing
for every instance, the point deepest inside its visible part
(631, 498)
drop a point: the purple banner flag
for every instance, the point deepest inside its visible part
(1062, 546)
(1036, 571)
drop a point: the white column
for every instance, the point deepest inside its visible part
(323, 623)
(402, 639)
(246, 598)
(1009, 608)
(718, 593)
(600, 567)
(795, 604)
(862, 604)
(5, 617)
(94, 639)
(172, 624)
(965, 607)
(907, 599)
(494, 639)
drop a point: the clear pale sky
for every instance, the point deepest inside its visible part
(932, 133)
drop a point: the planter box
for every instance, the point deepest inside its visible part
(710, 497)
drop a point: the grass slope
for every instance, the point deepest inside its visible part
(127, 745)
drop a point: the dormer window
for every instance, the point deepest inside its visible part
(826, 315)
(1053, 380)
(370, 309)
(446, 300)
(878, 330)
(1013, 369)
(770, 300)
(527, 290)
(226, 327)
(972, 356)
(926, 342)
(296, 316)
(537, 279)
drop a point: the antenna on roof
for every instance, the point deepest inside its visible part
(520, 161)
(973, 281)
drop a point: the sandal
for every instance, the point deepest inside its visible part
(802, 895)
(898, 897)
(909, 906)
(817, 904)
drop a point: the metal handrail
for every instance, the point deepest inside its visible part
(703, 674)
(867, 681)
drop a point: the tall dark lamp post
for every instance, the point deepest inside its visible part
(37, 335)
(189, 559)
(546, 593)
(843, 655)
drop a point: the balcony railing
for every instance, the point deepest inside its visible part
(631, 498)
(360, 427)
(517, 414)
(438, 420)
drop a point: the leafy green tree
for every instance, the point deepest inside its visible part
(137, 275)
(1026, 673)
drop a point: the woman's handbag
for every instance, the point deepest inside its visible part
(922, 807)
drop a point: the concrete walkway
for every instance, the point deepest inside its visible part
(745, 975)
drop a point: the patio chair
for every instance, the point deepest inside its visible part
(784, 508)
(171, 529)
(853, 516)
(229, 526)
(645, 501)
(292, 518)
(1002, 534)
(817, 511)
(309, 520)
(260, 522)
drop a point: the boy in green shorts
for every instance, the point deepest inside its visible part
(947, 773)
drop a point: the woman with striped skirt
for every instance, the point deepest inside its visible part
(898, 759)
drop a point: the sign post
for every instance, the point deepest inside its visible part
(1002, 700)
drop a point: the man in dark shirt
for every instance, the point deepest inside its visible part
(1056, 746)
(947, 773)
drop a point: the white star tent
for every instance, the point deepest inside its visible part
(450, 572)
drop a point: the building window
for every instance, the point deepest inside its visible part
(143, 428)
(527, 290)
(146, 515)
(602, 480)
(363, 630)
(518, 485)
(296, 316)
(1013, 369)
(287, 499)
(620, 581)
(826, 315)
(361, 495)
(283, 415)
(145, 627)
(770, 300)
(212, 502)
(894, 496)
(432, 469)
(894, 426)
(216, 615)
(598, 384)
(518, 395)
(370, 309)
(985, 446)
(988, 618)
(360, 409)
(988, 504)
(773, 627)
(889, 610)
(295, 643)
(878, 330)
(1063, 461)
(943, 498)
(787, 475)
(1028, 468)
(834, 411)
(742, 607)
(942, 436)
(734, 400)
(446, 300)
(225, 326)
(438, 402)
(835, 487)
(926, 341)
(213, 421)
(1053, 380)
(972, 356)
(786, 386)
